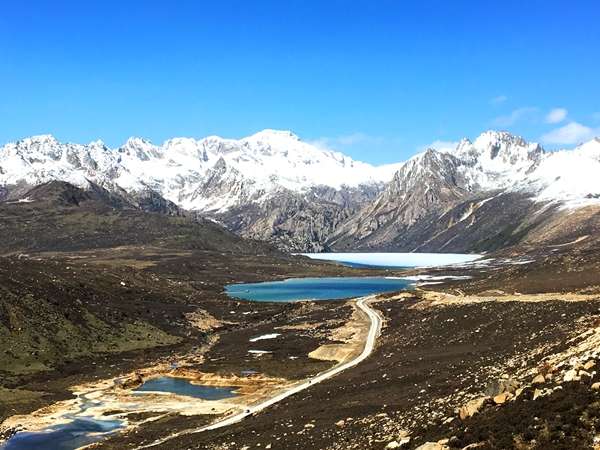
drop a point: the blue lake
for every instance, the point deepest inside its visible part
(181, 386)
(69, 436)
(295, 289)
(82, 430)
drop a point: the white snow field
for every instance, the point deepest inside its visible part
(396, 259)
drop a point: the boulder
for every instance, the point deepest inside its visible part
(471, 408)
(404, 438)
(500, 386)
(570, 375)
(501, 398)
(588, 365)
(596, 386)
(132, 382)
(518, 392)
(539, 379)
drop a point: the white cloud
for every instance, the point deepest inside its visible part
(442, 146)
(498, 100)
(571, 133)
(516, 116)
(556, 115)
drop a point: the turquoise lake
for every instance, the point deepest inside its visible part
(295, 289)
(182, 386)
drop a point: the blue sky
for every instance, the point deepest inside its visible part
(375, 79)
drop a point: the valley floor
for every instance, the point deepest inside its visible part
(478, 363)
(432, 360)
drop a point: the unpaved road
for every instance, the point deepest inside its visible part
(374, 329)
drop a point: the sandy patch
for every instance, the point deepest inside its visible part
(432, 298)
(351, 336)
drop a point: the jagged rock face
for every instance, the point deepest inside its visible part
(150, 201)
(496, 160)
(429, 182)
(224, 186)
(298, 222)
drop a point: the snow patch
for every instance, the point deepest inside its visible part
(265, 336)
(21, 200)
(433, 277)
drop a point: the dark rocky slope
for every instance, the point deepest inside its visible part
(59, 216)
(298, 222)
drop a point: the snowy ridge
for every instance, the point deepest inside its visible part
(568, 176)
(501, 161)
(496, 160)
(214, 174)
(206, 174)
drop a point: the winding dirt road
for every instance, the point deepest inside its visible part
(374, 329)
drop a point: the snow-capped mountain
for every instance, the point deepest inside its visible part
(276, 187)
(570, 177)
(496, 160)
(435, 201)
(210, 174)
(501, 161)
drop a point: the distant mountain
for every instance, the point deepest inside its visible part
(481, 196)
(275, 187)
(210, 174)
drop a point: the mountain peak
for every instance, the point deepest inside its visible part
(493, 137)
(140, 148)
(98, 143)
(269, 135)
(137, 142)
(40, 139)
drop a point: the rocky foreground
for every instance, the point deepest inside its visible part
(458, 365)
(470, 374)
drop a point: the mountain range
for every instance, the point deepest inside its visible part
(495, 191)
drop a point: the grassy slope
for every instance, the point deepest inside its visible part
(92, 286)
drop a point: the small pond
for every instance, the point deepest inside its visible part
(181, 386)
(76, 433)
(80, 429)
